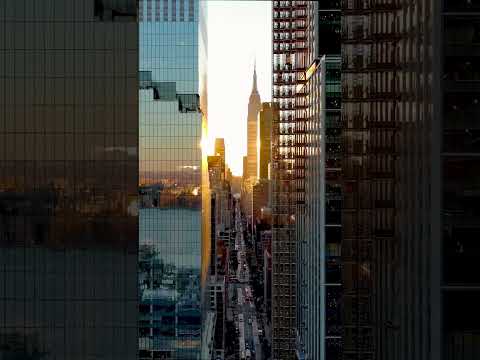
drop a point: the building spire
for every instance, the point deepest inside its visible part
(254, 89)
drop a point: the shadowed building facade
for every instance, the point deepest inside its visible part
(319, 190)
(68, 179)
(265, 120)
(410, 104)
(387, 281)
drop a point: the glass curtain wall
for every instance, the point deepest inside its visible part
(172, 123)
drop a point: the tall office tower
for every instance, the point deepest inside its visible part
(254, 106)
(267, 273)
(215, 182)
(221, 190)
(387, 294)
(265, 119)
(456, 101)
(68, 180)
(411, 190)
(291, 21)
(229, 175)
(220, 149)
(221, 213)
(173, 259)
(215, 167)
(246, 189)
(319, 191)
(260, 199)
(245, 168)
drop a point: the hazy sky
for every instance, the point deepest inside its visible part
(238, 33)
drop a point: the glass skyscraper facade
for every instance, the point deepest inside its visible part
(459, 165)
(410, 104)
(68, 179)
(319, 222)
(172, 108)
(306, 181)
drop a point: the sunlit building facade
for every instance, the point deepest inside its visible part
(254, 106)
(68, 179)
(174, 213)
(244, 167)
(291, 19)
(220, 151)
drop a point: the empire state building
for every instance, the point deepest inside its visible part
(254, 106)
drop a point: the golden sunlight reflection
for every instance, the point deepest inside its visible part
(238, 33)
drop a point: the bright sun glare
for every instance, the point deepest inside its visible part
(238, 34)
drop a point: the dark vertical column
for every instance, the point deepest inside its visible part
(68, 179)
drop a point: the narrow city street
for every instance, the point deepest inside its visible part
(245, 312)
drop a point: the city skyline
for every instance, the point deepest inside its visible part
(241, 28)
(352, 234)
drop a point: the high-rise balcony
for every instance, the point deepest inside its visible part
(288, 106)
(299, 35)
(285, 67)
(300, 45)
(283, 94)
(299, 25)
(282, 4)
(283, 80)
(300, 4)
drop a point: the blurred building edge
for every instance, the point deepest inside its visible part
(68, 191)
(208, 336)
